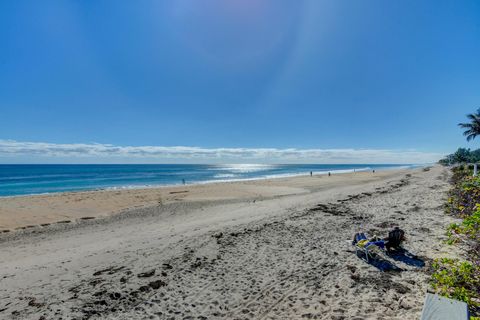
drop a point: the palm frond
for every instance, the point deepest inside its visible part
(465, 125)
(471, 136)
(472, 127)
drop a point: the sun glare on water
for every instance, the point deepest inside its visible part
(244, 168)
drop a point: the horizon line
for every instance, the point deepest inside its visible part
(13, 151)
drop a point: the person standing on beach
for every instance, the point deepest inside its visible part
(329, 174)
(311, 173)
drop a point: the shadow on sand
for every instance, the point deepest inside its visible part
(379, 263)
(403, 255)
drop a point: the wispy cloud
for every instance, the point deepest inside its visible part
(11, 150)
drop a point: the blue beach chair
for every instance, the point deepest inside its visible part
(367, 248)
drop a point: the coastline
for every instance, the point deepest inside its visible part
(267, 255)
(42, 210)
(155, 186)
(27, 180)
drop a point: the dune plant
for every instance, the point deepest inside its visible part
(454, 278)
(464, 196)
(458, 280)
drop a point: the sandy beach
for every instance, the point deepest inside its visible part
(264, 249)
(25, 212)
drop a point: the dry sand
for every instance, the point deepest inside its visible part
(269, 249)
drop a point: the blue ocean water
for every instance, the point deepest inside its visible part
(37, 179)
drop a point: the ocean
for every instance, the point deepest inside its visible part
(18, 180)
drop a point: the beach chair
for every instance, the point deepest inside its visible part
(441, 308)
(358, 238)
(373, 251)
(364, 247)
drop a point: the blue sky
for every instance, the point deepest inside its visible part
(243, 74)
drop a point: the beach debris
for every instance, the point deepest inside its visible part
(144, 288)
(99, 293)
(167, 266)
(96, 281)
(196, 264)
(174, 192)
(146, 274)
(34, 303)
(109, 270)
(329, 208)
(115, 295)
(355, 276)
(101, 302)
(157, 284)
(218, 235)
(351, 268)
(64, 221)
(415, 208)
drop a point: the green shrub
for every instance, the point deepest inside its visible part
(453, 278)
(469, 228)
(457, 279)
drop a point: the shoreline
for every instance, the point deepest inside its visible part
(29, 211)
(267, 177)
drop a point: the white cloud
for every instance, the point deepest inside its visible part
(40, 152)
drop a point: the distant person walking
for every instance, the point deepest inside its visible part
(311, 173)
(329, 174)
(183, 181)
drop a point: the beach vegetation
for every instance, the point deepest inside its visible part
(458, 280)
(461, 156)
(464, 197)
(454, 278)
